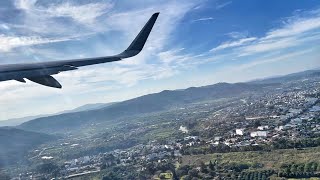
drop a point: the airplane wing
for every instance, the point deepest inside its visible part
(41, 72)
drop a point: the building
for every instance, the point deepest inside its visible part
(46, 157)
(263, 128)
(280, 128)
(296, 121)
(240, 132)
(259, 134)
(191, 138)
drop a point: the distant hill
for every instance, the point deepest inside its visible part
(141, 105)
(87, 107)
(156, 102)
(15, 143)
(290, 77)
(18, 121)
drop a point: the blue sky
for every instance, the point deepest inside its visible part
(194, 43)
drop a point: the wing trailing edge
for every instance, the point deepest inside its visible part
(21, 80)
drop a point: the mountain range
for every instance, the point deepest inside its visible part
(145, 104)
(289, 77)
(16, 141)
(154, 103)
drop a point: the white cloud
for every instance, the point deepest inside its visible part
(295, 27)
(25, 4)
(267, 45)
(238, 35)
(203, 19)
(7, 43)
(275, 58)
(295, 31)
(82, 13)
(4, 26)
(50, 19)
(171, 55)
(292, 46)
(231, 44)
(222, 5)
(85, 14)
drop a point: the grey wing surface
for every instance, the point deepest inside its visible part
(41, 72)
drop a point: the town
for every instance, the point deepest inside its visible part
(287, 117)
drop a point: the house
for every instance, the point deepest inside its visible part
(86, 159)
(259, 134)
(263, 128)
(191, 138)
(280, 128)
(240, 132)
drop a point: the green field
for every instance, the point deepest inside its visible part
(272, 159)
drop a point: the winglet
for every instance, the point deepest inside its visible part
(138, 43)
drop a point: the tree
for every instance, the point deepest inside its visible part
(293, 168)
(307, 167)
(48, 168)
(187, 177)
(162, 176)
(183, 170)
(300, 168)
(257, 123)
(103, 166)
(315, 166)
(211, 166)
(111, 176)
(203, 168)
(193, 173)
(150, 168)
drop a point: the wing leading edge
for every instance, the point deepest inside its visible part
(41, 72)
